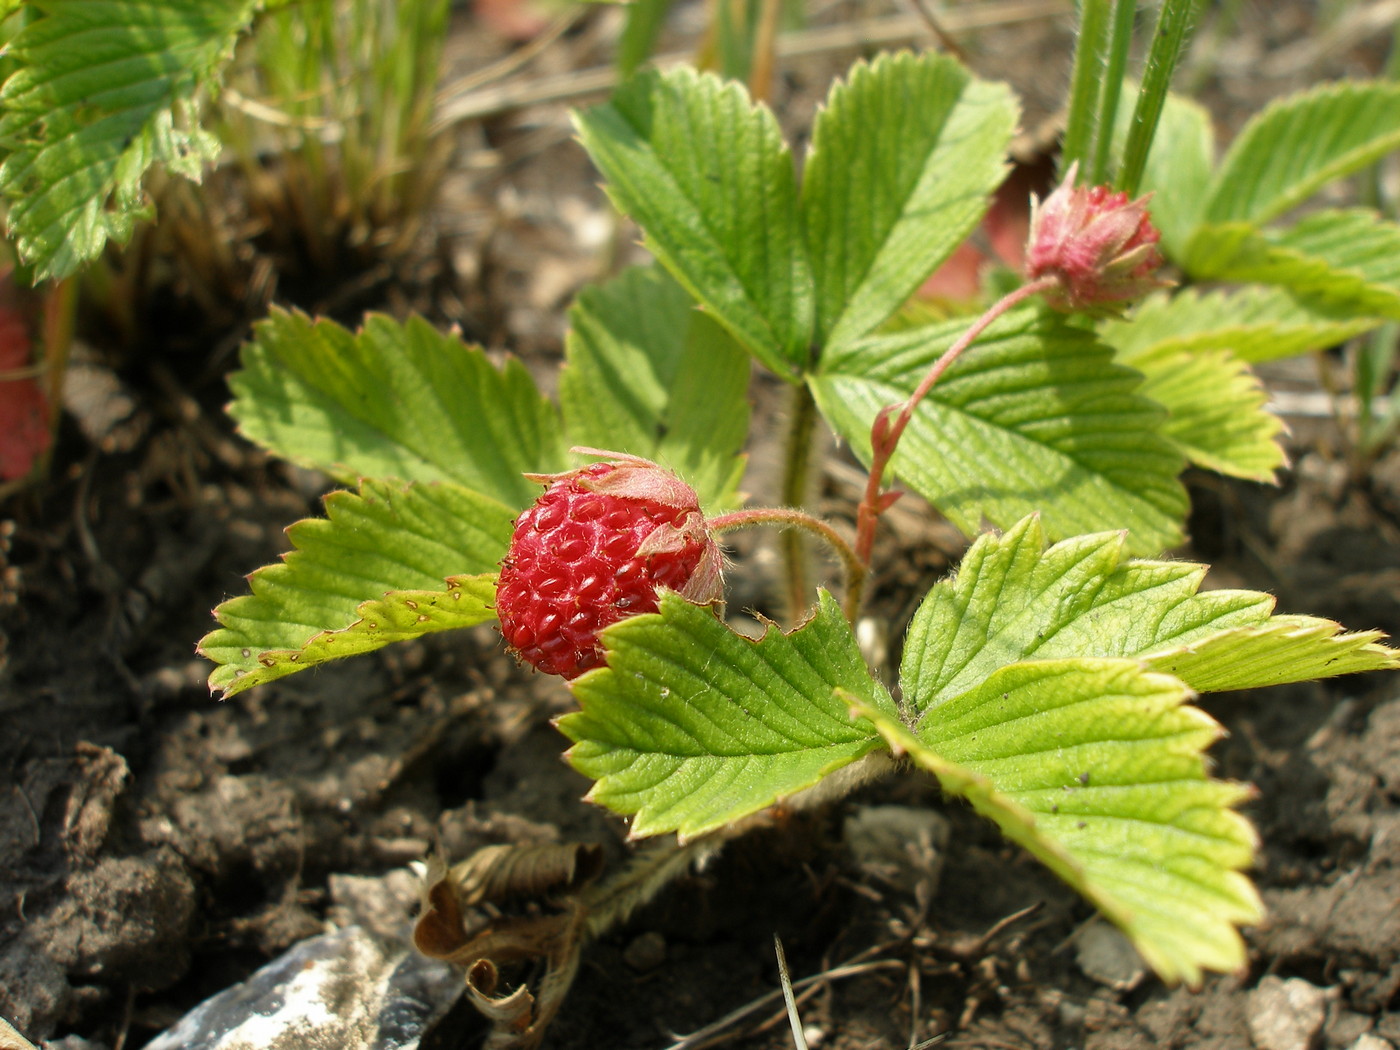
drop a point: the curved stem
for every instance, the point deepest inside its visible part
(885, 435)
(789, 518)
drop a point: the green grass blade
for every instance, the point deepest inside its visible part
(1120, 43)
(1168, 42)
(1081, 120)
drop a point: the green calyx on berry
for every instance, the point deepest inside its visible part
(594, 549)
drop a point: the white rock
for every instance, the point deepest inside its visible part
(1286, 1014)
(345, 990)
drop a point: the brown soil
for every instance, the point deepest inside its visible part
(156, 845)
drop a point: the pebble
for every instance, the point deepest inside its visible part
(1369, 1041)
(646, 951)
(1286, 1014)
(345, 990)
(1107, 956)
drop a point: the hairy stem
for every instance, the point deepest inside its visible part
(797, 468)
(892, 420)
(789, 518)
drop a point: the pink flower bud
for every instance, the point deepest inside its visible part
(1101, 246)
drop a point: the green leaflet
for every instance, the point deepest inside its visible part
(1343, 261)
(394, 400)
(1096, 768)
(1255, 324)
(1217, 415)
(1299, 144)
(1035, 416)
(106, 89)
(708, 177)
(389, 563)
(691, 726)
(648, 373)
(1013, 600)
(903, 160)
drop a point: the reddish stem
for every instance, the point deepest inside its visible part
(789, 518)
(885, 435)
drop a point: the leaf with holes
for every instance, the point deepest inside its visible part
(104, 91)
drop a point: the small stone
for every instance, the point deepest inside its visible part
(1107, 956)
(904, 844)
(646, 952)
(1370, 1041)
(1286, 1014)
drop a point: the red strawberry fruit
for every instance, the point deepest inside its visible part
(592, 551)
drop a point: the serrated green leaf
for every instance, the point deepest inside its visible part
(1255, 324)
(394, 400)
(1299, 144)
(692, 726)
(1014, 600)
(1216, 412)
(647, 373)
(1346, 261)
(903, 161)
(1096, 768)
(389, 563)
(1280, 650)
(1035, 416)
(105, 90)
(707, 176)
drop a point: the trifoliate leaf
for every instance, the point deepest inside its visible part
(1345, 261)
(389, 563)
(1255, 324)
(706, 175)
(1299, 144)
(638, 358)
(1096, 768)
(1035, 416)
(1217, 415)
(105, 90)
(903, 161)
(394, 400)
(1013, 600)
(692, 726)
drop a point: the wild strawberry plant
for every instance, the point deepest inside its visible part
(1049, 680)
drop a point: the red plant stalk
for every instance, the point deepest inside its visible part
(886, 431)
